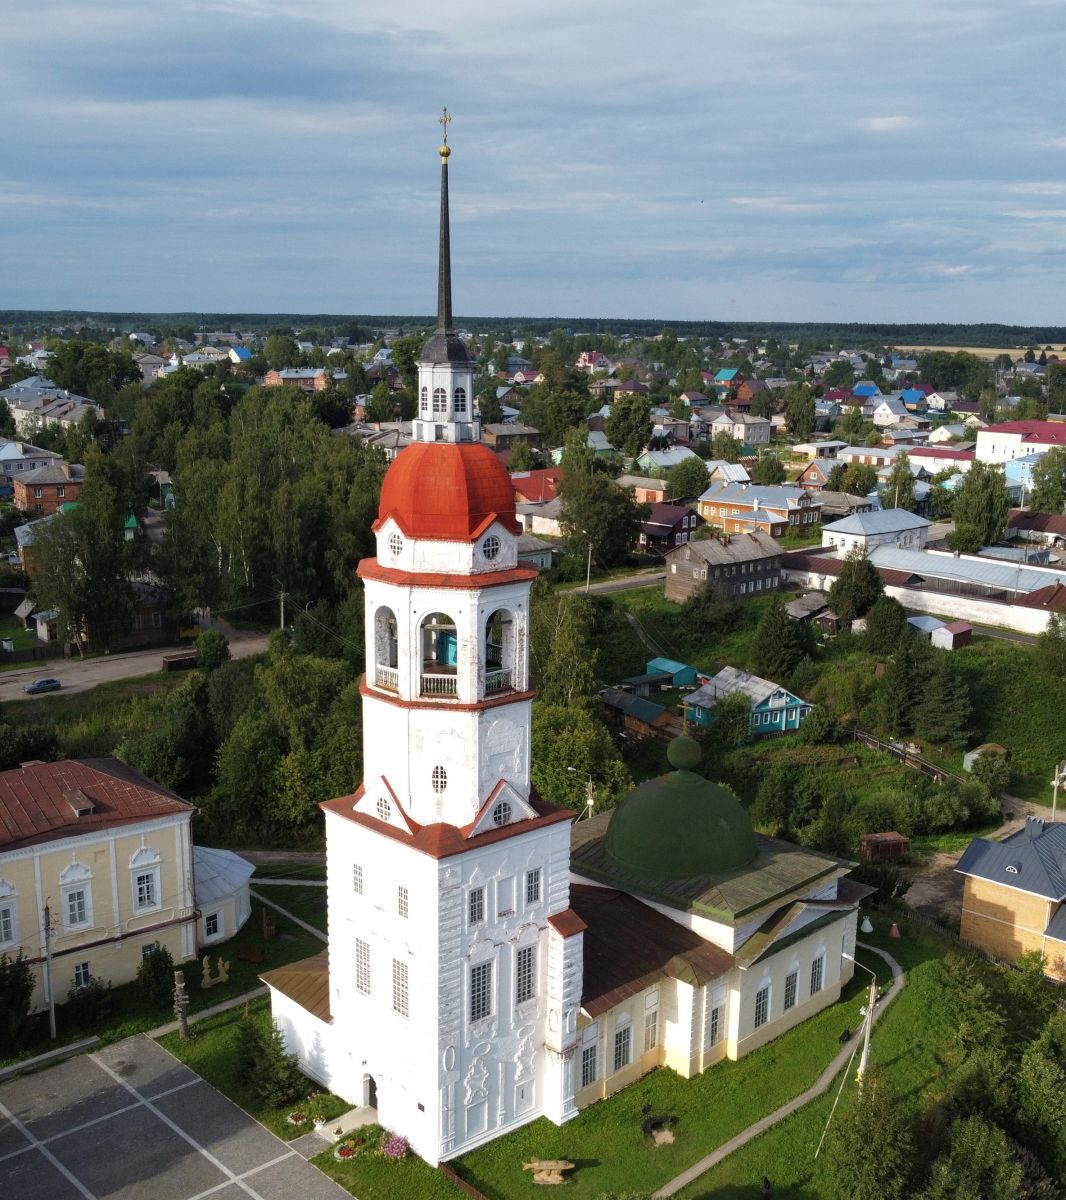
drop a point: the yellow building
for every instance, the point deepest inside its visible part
(1014, 894)
(102, 857)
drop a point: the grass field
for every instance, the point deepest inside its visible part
(307, 903)
(979, 351)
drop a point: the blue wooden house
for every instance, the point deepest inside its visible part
(774, 709)
(680, 674)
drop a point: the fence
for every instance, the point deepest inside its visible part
(32, 653)
(461, 1184)
(907, 757)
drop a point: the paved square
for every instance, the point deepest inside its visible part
(130, 1122)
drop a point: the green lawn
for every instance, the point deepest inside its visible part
(289, 871)
(606, 1141)
(131, 1014)
(373, 1177)
(307, 903)
(12, 627)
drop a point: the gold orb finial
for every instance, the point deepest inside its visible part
(445, 119)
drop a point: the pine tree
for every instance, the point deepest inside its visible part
(899, 688)
(276, 1078)
(978, 1163)
(857, 588)
(942, 715)
(778, 645)
(248, 1046)
(870, 1149)
(886, 625)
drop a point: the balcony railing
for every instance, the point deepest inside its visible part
(439, 685)
(498, 681)
(387, 677)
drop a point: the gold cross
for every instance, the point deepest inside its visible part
(445, 119)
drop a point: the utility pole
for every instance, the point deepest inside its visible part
(864, 1058)
(48, 971)
(1060, 778)
(282, 597)
(588, 569)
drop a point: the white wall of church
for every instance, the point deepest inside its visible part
(453, 558)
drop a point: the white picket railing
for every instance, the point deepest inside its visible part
(439, 685)
(498, 681)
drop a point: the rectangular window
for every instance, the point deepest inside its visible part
(533, 886)
(476, 906)
(716, 1027)
(525, 974)
(37, 493)
(7, 924)
(362, 966)
(481, 991)
(651, 1030)
(157, 619)
(402, 902)
(77, 907)
(148, 949)
(623, 1047)
(357, 879)
(817, 971)
(81, 974)
(790, 990)
(589, 1055)
(211, 924)
(762, 1006)
(400, 989)
(61, 492)
(147, 894)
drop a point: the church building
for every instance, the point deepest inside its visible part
(492, 960)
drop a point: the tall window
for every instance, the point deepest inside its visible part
(481, 991)
(588, 1064)
(357, 878)
(211, 925)
(533, 886)
(651, 1030)
(623, 1047)
(817, 971)
(81, 975)
(459, 400)
(402, 901)
(146, 889)
(7, 923)
(525, 974)
(476, 906)
(715, 1032)
(762, 1006)
(400, 988)
(77, 907)
(440, 400)
(425, 400)
(790, 990)
(362, 966)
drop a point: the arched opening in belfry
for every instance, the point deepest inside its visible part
(439, 643)
(499, 652)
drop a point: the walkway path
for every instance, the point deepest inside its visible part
(786, 1110)
(285, 913)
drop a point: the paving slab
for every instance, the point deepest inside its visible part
(11, 1138)
(296, 1178)
(221, 1127)
(145, 1066)
(62, 1097)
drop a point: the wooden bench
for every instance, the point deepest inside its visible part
(548, 1170)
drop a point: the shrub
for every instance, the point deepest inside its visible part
(90, 1004)
(156, 976)
(212, 649)
(16, 993)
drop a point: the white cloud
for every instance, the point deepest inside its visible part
(892, 124)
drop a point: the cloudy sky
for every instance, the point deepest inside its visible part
(699, 159)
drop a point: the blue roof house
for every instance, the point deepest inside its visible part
(774, 709)
(680, 674)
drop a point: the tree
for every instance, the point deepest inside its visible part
(819, 727)
(16, 994)
(799, 410)
(248, 1042)
(839, 373)
(489, 406)
(155, 974)
(1040, 1118)
(858, 479)
(275, 1078)
(981, 509)
(900, 687)
(778, 645)
(521, 456)
(857, 588)
(1049, 481)
(978, 1163)
(596, 512)
(726, 447)
(870, 1147)
(563, 658)
(570, 746)
(899, 486)
(1051, 646)
(886, 625)
(629, 426)
(212, 649)
(942, 714)
(688, 480)
(768, 470)
(993, 770)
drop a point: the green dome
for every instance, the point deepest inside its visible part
(684, 753)
(681, 824)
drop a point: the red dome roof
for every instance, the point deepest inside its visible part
(447, 491)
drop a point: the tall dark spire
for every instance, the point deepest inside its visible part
(444, 345)
(444, 269)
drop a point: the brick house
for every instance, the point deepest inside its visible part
(43, 491)
(744, 564)
(1014, 894)
(745, 507)
(309, 379)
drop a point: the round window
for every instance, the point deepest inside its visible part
(384, 810)
(501, 814)
(440, 779)
(395, 544)
(490, 547)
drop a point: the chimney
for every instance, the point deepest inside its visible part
(80, 804)
(67, 470)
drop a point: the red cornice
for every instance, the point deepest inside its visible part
(370, 568)
(368, 692)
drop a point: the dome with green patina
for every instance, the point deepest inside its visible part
(680, 824)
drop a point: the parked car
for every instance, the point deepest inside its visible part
(42, 685)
